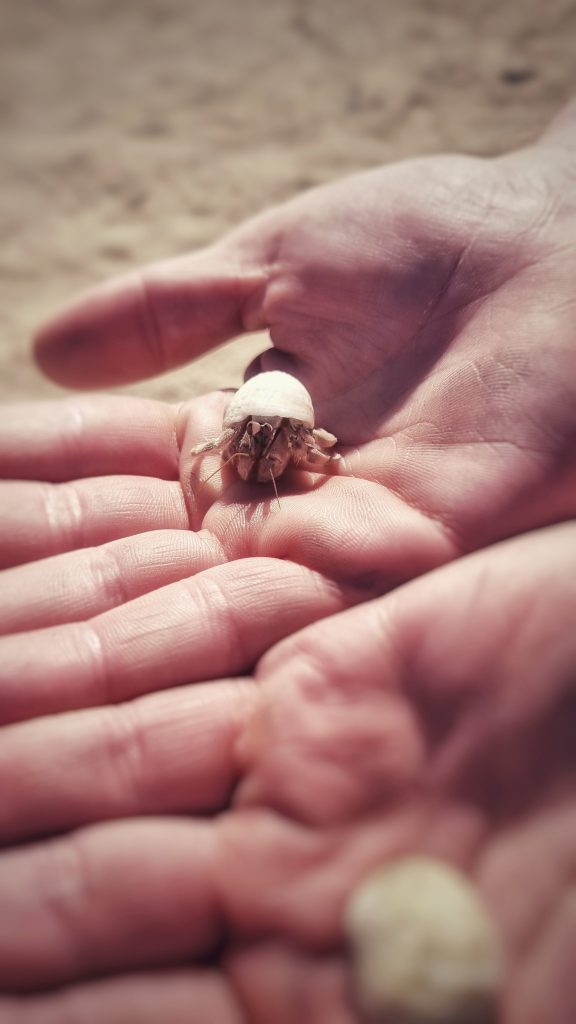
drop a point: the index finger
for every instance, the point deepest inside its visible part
(148, 321)
(88, 436)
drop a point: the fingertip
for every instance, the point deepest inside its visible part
(101, 338)
(146, 322)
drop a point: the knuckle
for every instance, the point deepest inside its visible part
(64, 514)
(107, 576)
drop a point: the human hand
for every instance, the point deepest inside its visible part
(428, 306)
(438, 719)
(106, 592)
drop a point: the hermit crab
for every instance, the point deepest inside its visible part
(268, 424)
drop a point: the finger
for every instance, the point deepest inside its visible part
(278, 982)
(459, 680)
(166, 753)
(154, 892)
(212, 625)
(343, 526)
(109, 898)
(191, 996)
(88, 436)
(38, 520)
(527, 874)
(80, 584)
(147, 322)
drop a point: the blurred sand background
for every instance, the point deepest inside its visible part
(130, 131)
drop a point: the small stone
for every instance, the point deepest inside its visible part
(424, 948)
(517, 75)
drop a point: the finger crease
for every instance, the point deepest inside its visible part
(209, 594)
(64, 515)
(66, 896)
(152, 334)
(101, 686)
(126, 753)
(108, 577)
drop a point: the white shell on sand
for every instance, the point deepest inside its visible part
(424, 948)
(271, 394)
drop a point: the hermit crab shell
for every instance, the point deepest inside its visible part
(268, 395)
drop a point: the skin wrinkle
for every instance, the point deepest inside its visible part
(496, 200)
(64, 512)
(251, 544)
(480, 291)
(239, 721)
(214, 546)
(107, 575)
(455, 538)
(64, 876)
(70, 438)
(102, 688)
(153, 336)
(540, 191)
(436, 301)
(203, 591)
(124, 733)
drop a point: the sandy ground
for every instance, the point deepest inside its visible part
(130, 131)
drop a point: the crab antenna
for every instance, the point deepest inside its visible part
(221, 467)
(275, 488)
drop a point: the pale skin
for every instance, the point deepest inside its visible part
(219, 780)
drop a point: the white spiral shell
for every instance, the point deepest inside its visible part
(268, 395)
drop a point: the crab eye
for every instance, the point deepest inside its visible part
(253, 427)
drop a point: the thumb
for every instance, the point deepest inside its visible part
(148, 321)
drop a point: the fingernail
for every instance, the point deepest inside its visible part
(424, 948)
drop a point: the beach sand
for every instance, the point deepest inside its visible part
(141, 130)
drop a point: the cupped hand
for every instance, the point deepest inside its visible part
(429, 308)
(438, 719)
